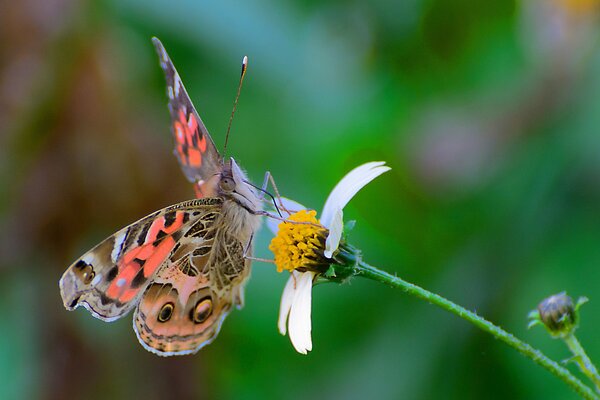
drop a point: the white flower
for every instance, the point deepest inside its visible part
(295, 305)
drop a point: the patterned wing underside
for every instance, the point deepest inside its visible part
(181, 311)
(109, 279)
(194, 148)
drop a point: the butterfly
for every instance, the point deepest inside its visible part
(184, 267)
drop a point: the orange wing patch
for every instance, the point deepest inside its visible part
(141, 262)
(190, 143)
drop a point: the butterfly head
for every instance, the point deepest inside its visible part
(233, 185)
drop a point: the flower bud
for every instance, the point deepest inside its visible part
(558, 314)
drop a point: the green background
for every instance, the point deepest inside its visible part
(487, 112)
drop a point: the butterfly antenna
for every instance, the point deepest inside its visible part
(268, 194)
(237, 96)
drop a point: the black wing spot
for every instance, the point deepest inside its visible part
(74, 302)
(104, 299)
(139, 261)
(84, 272)
(112, 274)
(166, 312)
(142, 237)
(81, 264)
(170, 218)
(161, 234)
(139, 279)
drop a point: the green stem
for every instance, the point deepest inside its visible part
(367, 271)
(585, 364)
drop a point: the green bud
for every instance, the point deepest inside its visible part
(558, 314)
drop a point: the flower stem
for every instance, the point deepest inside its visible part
(581, 358)
(368, 271)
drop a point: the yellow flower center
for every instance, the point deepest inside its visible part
(299, 245)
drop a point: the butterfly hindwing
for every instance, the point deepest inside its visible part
(181, 311)
(109, 279)
(194, 148)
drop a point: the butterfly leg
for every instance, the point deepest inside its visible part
(265, 260)
(265, 183)
(277, 199)
(247, 252)
(269, 177)
(282, 219)
(248, 247)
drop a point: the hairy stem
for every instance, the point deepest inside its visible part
(367, 271)
(581, 358)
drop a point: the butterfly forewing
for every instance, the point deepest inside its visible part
(194, 148)
(110, 278)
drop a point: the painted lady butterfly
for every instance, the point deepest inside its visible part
(182, 268)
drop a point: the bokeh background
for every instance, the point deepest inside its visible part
(487, 111)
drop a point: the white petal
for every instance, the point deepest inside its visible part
(286, 302)
(335, 233)
(348, 187)
(299, 322)
(287, 204)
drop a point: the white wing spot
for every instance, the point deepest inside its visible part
(96, 279)
(177, 84)
(89, 258)
(163, 53)
(121, 282)
(119, 239)
(170, 92)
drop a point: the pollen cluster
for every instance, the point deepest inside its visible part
(299, 245)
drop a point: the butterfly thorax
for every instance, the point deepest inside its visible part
(240, 202)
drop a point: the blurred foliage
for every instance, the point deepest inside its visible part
(486, 111)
